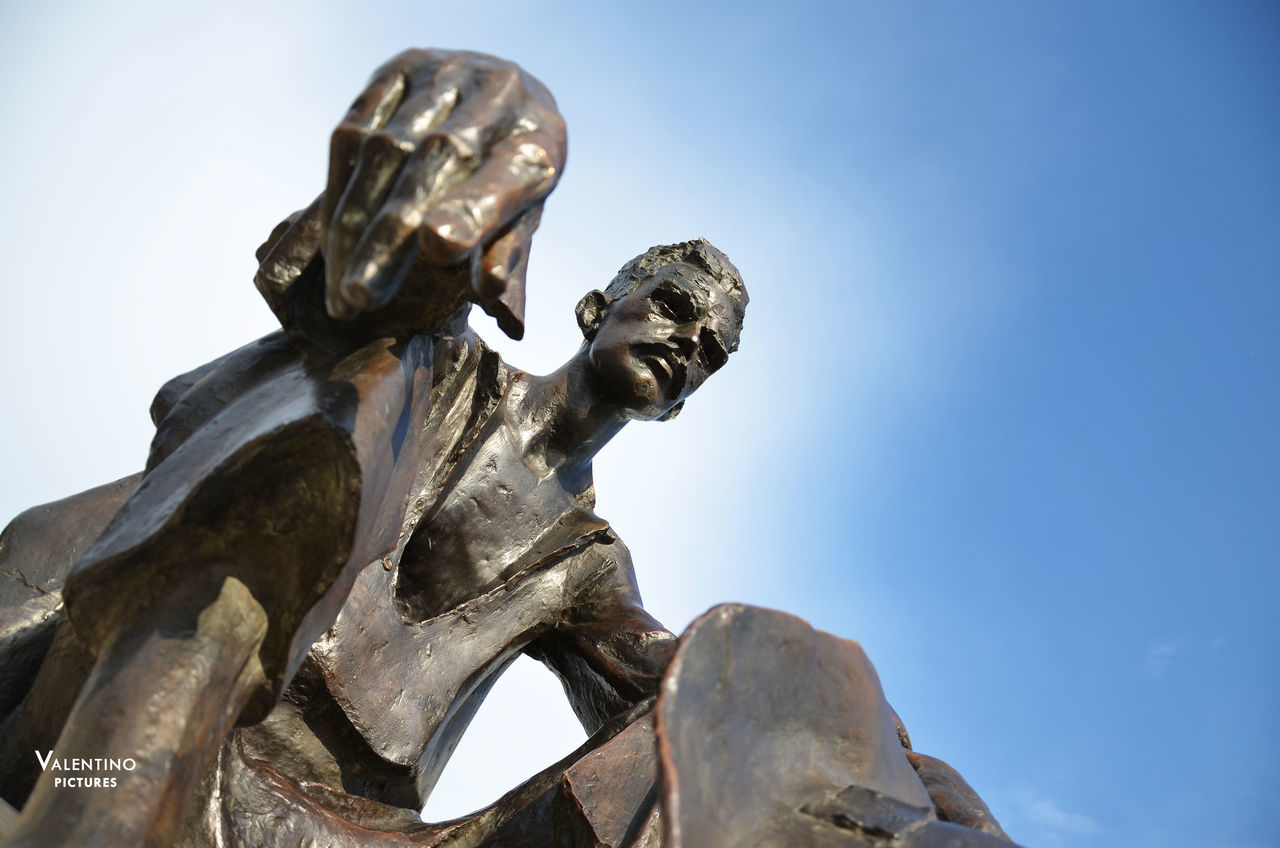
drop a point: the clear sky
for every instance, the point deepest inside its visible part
(1006, 405)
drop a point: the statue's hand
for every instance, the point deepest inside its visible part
(445, 157)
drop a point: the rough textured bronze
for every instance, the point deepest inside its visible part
(348, 529)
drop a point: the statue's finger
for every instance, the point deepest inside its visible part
(433, 193)
(422, 178)
(430, 98)
(517, 172)
(292, 246)
(381, 157)
(370, 112)
(499, 279)
(382, 261)
(373, 271)
(469, 176)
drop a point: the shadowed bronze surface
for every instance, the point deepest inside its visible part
(347, 530)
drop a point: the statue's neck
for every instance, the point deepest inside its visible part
(564, 419)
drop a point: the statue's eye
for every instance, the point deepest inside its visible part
(712, 350)
(674, 304)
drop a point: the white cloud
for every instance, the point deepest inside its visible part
(1160, 657)
(1048, 814)
(1042, 821)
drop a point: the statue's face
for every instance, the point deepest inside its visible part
(660, 341)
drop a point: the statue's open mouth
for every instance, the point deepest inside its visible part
(667, 366)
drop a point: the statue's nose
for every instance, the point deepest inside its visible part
(686, 338)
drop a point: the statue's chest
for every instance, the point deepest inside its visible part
(410, 687)
(496, 515)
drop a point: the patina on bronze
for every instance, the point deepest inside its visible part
(348, 529)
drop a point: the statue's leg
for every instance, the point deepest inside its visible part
(42, 664)
(38, 720)
(149, 703)
(207, 588)
(196, 626)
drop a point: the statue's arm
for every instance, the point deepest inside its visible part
(607, 651)
(39, 546)
(173, 390)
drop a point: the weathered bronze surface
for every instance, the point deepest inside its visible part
(772, 733)
(348, 529)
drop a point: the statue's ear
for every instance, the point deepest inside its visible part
(672, 412)
(591, 311)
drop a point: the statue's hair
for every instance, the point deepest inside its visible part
(698, 254)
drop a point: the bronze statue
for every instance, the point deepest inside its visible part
(349, 528)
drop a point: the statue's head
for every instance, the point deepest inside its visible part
(666, 322)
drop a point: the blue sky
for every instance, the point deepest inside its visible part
(1005, 408)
